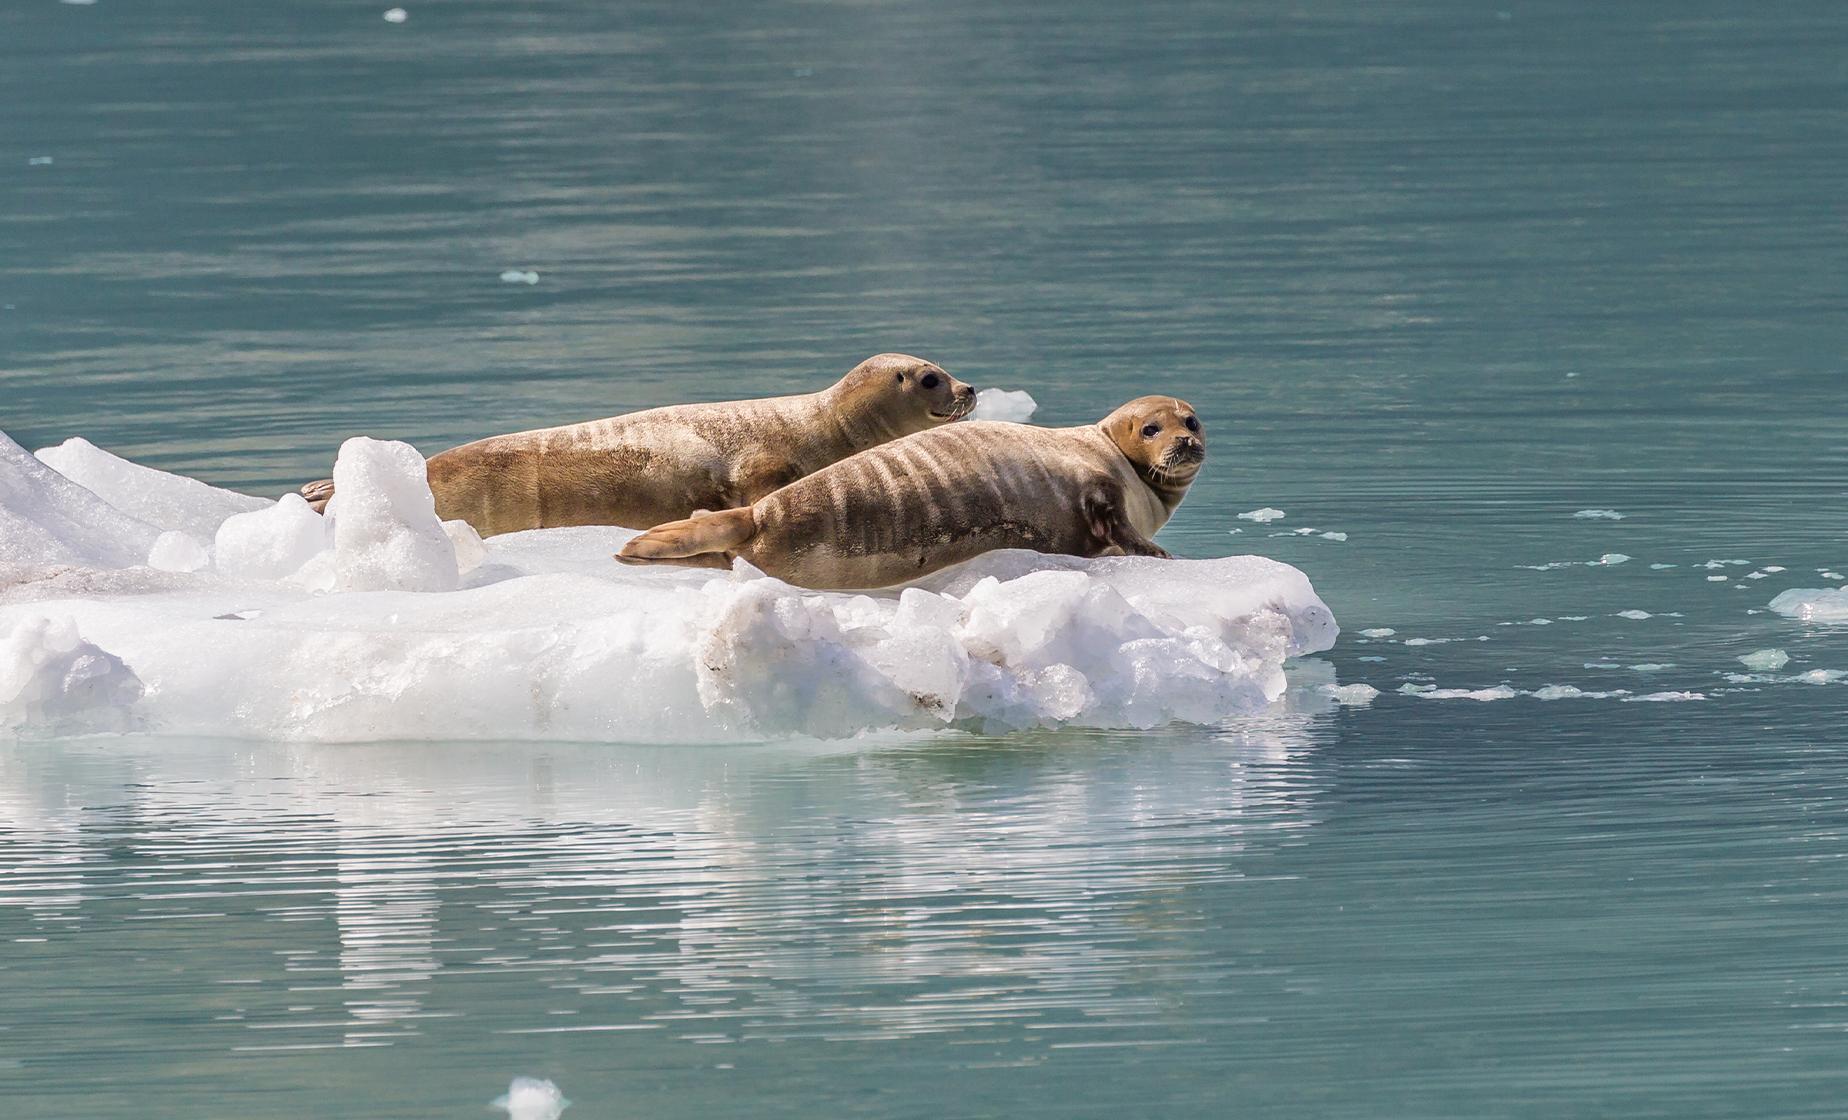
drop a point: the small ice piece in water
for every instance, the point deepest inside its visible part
(1573, 692)
(1716, 579)
(1634, 615)
(1539, 622)
(1305, 531)
(1765, 660)
(1484, 695)
(396, 15)
(1812, 604)
(1652, 666)
(1234, 532)
(1821, 676)
(532, 1098)
(1379, 632)
(1612, 559)
(1598, 515)
(1354, 695)
(1370, 657)
(39, 161)
(1602, 665)
(1773, 568)
(175, 551)
(1833, 575)
(1665, 697)
(1758, 575)
(1261, 515)
(516, 276)
(1574, 617)
(1012, 405)
(1334, 536)
(1662, 567)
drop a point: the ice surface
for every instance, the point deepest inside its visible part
(396, 15)
(1634, 615)
(1379, 632)
(1334, 536)
(1765, 660)
(1612, 559)
(1812, 604)
(1261, 515)
(1598, 515)
(1354, 695)
(387, 624)
(1016, 405)
(1665, 697)
(517, 276)
(165, 501)
(530, 1098)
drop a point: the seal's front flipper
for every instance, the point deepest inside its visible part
(702, 541)
(319, 494)
(1111, 530)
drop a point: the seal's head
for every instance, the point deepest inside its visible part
(1163, 439)
(910, 393)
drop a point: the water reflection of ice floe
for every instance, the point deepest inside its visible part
(266, 623)
(693, 892)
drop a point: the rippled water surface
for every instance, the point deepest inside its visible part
(1438, 276)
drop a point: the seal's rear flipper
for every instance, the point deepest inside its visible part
(705, 540)
(319, 494)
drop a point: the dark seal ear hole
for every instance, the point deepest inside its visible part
(1150, 431)
(929, 381)
(899, 377)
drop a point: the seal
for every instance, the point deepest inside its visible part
(907, 508)
(645, 468)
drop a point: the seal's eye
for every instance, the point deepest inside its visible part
(929, 381)
(1193, 424)
(1150, 431)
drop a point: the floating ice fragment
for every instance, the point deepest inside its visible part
(1665, 697)
(1717, 579)
(1305, 531)
(1427, 692)
(1612, 559)
(1598, 515)
(1574, 617)
(1662, 567)
(396, 15)
(1354, 695)
(1833, 575)
(516, 276)
(1810, 604)
(1634, 615)
(1370, 657)
(1758, 575)
(1379, 632)
(1014, 405)
(531, 1098)
(1573, 692)
(39, 161)
(1334, 536)
(1652, 666)
(1773, 568)
(1261, 515)
(1765, 660)
(1602, 665)
(1821, 676)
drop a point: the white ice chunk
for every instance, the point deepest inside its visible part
(47, 519)
(271, 542)
(1765, 660)
(1334, 536)
(1665, 697)
(470, 549)
(396, 15)
(1651, 666)
(1612, 559)
(1261, 515)
(386, 534)
(175, 551)
(517, 276)
(1598, 515)
(1356, 695)
(1821, 676)
(166, 501)
(1811, 604)
(1379, 632)
(52, 681)
(1015, 405)
(1573, 692)
(531, 1098)
(1634, 615)
(1428, 692)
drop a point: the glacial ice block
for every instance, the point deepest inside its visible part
(394, 626)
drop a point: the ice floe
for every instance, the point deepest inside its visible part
(531, 1098)
(1765, 660)
(1261, 515)
(1813, 604)
(211, 613)
(1598, 515)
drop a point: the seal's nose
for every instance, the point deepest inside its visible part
(1192, 445)
(965, 391)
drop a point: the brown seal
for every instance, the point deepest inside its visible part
(907, 508)
(649, 467)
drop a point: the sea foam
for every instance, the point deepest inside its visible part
(161, 605)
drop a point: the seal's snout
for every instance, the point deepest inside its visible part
(1191, 447)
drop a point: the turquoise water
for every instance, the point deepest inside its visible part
(1437, 275)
